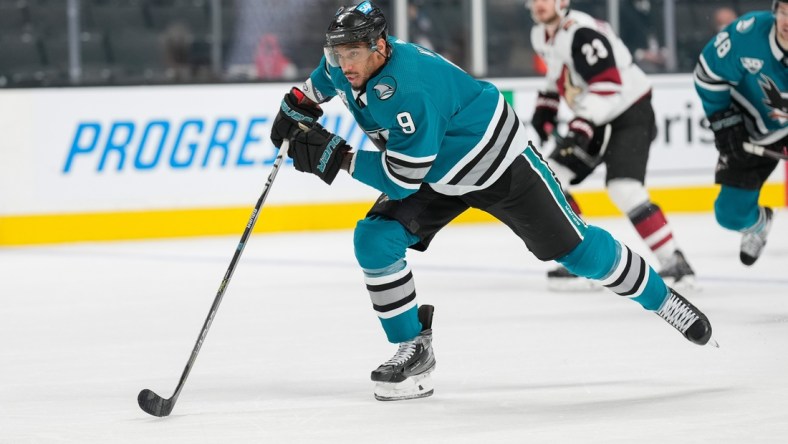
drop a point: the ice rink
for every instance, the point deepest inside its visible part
(85, 327)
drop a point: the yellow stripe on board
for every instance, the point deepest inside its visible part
(59, 228)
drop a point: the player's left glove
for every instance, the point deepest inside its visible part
(295, 108)
(574, 151)
(317, 151)
(729, 133)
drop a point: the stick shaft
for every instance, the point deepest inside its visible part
(763, 152)
(231, 268)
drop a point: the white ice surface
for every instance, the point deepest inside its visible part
(85, 327)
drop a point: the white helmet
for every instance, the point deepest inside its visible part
(562, 7)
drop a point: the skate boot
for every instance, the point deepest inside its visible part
(407, 374)
(561, 279)
(678, 273)
(754, 238)
(687, 319)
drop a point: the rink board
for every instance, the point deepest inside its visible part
(154, 162)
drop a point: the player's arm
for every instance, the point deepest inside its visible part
(594, 61)
(416, 127)
(716, 72)
(319, 87)
(545, 116)
(302, 105)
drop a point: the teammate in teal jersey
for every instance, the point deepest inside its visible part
(742, 81)
(447, 142)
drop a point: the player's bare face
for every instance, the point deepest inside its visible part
(782, 24)
(544, 11)
(358, 63)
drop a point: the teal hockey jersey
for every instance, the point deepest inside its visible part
(433, 123)
(744, 66)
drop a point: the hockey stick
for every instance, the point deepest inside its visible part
(154, 404)
(763, 152)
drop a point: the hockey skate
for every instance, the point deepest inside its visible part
(687, 319)
(754, 238)
(407, 374)
(561, 279)
(678, 273)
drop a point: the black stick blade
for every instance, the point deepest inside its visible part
(154, 404)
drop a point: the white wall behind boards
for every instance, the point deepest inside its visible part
(77, 150)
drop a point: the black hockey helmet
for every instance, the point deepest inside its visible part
(777, 2)
(358, 23)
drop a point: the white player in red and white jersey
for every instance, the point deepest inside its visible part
(613, 123)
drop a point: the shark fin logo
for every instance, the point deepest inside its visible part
(385, 88)
(775, 99)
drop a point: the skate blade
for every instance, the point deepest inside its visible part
(713, 342)
(570, 285)
(415, 387)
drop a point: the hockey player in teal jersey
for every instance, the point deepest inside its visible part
(447, 142)
(742, 80)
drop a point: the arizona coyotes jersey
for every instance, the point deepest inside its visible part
(744, 66)
(590, 67)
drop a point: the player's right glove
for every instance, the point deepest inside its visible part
(317, 151)
(295, 108)
(545, 116)
(729, 133)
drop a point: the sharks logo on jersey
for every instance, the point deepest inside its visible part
(385, 88)
(775, 99)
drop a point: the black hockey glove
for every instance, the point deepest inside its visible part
(581, 131)
(318, 152)
(577, 152)
(729, 133)
(545, 116)
(295, 108)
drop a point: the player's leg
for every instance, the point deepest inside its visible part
(559, 278)
(632, 198)
(736, 207)
(380, 242)
(626, 160)
(537, 211)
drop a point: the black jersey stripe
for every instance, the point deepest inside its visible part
(501, 155)
(408, 164)
(703, 76)
(638, 281)
(624, 272)
(490, 144)
(405, 179)
(389, 285)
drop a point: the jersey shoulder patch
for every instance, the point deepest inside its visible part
(751, 26)
(385, 88)
(744, 26)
